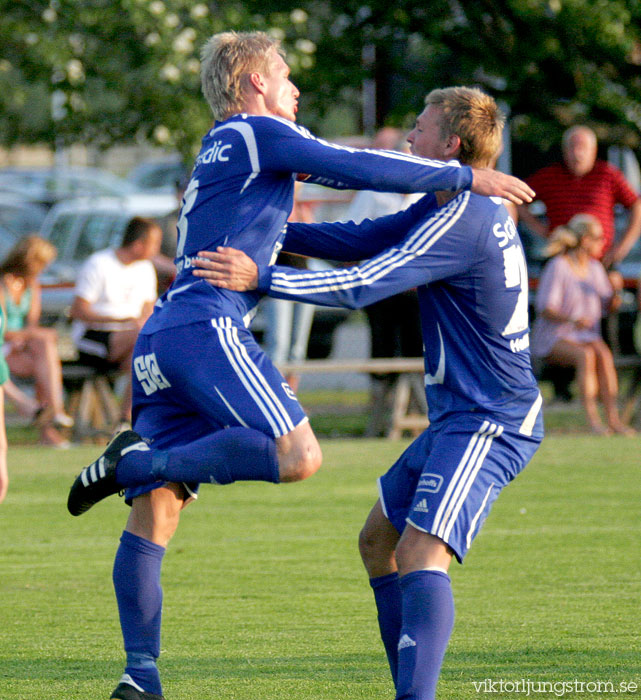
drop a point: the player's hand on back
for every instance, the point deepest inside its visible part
(228, 268)
(493, 183)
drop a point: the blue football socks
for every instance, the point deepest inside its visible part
(136, 578)
(428, 618)
(387, 594)
(233, 454)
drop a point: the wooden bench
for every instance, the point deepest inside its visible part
(95, 408)
(92, 402)
(408, 389)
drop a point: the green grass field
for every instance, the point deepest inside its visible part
(265, 598)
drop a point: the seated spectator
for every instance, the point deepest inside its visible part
(115, 293)
(31, 351)
(574, 293)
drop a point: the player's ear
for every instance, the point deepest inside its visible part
(257, 81)
(453, 146)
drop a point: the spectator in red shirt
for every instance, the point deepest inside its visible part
(584, 185)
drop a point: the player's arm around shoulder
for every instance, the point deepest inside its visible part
(490, 182)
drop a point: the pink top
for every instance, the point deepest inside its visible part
(562, 290)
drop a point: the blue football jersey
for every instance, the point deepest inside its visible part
(241, 194)
(467, 261)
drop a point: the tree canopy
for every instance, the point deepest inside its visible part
(105, 71)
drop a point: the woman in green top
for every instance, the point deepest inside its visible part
(31, 350)
(4, 376)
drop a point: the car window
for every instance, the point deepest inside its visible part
(99, 231)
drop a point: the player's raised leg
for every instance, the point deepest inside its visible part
(245, 425)
(235, 454)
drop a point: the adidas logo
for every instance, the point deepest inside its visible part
(421, 506)
(92, 473)
(406, 641)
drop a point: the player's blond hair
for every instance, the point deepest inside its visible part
(569, 237)
(227, 59)
(475, 118)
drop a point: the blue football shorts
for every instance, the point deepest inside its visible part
(192, 380)
(447, 480)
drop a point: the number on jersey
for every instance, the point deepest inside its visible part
(148, 373)
(188, 202)
(516, 276)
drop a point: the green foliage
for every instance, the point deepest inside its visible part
(107, 72)
(552, 62)
(128, 69)
(266, 599)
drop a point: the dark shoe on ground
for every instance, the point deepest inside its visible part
(98, 480)
(124, 691)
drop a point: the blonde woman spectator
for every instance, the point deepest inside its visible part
(574, 293)
(31, 351)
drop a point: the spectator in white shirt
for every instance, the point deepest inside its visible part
(115, 293)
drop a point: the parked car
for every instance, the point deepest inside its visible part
(80, 227)
(48, 186)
